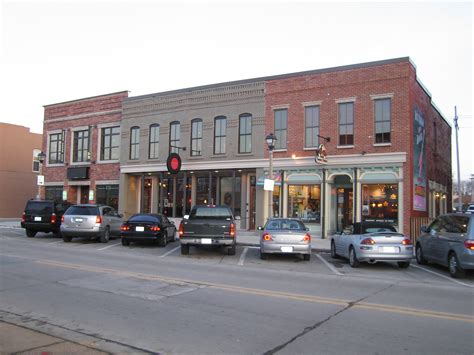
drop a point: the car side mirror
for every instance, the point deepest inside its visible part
(260, 228)
(425, 229)
(186, 216)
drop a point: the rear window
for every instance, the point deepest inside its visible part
(144, 218)
(285, 224)
(210, 213)
(379, 230)
(82, 211)
(42, 207)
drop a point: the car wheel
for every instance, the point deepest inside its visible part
(403, 264)
(125, 242)
(104, 238)
(333, 250)
(263, 256)
(306, 257)
(163, 240)
(184, 249)
(66, 239)
(30, 233)
(231, 250)
(420, 259)
(353, 261)
(57, 234)
(455, 270)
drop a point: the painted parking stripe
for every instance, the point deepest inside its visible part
(170, 252)
(109, 246)
(242, 256)
(331, 267)
(56, 242)
(442, 276)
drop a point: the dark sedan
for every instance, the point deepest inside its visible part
(148, 227)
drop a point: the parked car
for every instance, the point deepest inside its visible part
(90, 221)
(285, 236)
(43, 216)
(208, 225)
(470, 208)
(148, 227)
(372, 242)
(448, 241)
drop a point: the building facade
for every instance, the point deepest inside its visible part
(81, 139)
(19, 168)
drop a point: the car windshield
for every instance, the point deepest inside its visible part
(145, 218)
(82, 211)
(39, 207)
(285, 224)
(210, 213)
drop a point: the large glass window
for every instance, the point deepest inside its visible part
(108, 195)
(220, 128)
(154, 141)
(56, 148)
(134, 143)
(281, 124)
(54, 193)
(382, 120)
(380, 203)
(346, 123)
(175, 137)
(110, 143)
(226, 197)
(245, 133)
(311, 121)
(196, 137)
(304, 201)
(81, 146)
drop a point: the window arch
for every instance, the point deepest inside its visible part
(245, 133)
(154, 141)
(196, 137)
(134, 143)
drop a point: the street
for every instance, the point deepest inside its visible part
(142, 298)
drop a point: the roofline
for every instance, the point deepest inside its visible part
(423, 87)
(277, 77)
(87, 98)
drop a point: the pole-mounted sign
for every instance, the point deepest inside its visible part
(321, 157)
(173, 163)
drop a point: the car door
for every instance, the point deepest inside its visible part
(170, 227)
(432, 239)
(454, 236)
(106, 219)
(116, 221)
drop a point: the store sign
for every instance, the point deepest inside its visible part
(321, 156)
(268, 185)
(40, 180)
(419, 163)
(173, 163)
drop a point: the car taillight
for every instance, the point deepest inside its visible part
(267, 237)
(181, 229)
(125, 227)
(307, 238)
(98, 220)
(62, 219)
(23, 217)
(367, 241)
(406, 241)
(53, 218)
(469, 243)
(155, 228)
(232, 230)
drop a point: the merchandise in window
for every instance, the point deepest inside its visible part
(380, 203)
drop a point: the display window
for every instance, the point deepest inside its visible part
(304, 202)
(380, 203)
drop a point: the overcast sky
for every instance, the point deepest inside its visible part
(54, 51)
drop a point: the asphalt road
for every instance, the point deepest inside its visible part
(151, 299)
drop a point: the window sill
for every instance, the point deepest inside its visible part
(196, 157)
(345, 146)
(382, 144)
(55, 165)
(244, 154)
(219, 156)
(79, 163)
(279, 150)
(311, 148)
(108, 161)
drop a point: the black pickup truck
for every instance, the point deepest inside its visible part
(208, 225)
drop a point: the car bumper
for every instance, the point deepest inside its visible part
(406, 254)
(207, 241)
(40, 227)
(274, 248)
(82, 233)
(135, 237)
(466, 259)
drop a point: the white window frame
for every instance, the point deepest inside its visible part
(71, 154)
(99, 142)
(48, 135)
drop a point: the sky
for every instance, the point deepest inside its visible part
(55, 51)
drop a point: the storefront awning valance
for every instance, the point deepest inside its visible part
(308, 179)
(379, 178)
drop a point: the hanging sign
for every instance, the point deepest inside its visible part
(321, 156)
(173, 163)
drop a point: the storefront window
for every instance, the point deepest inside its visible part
(225, 193)
(108, 195)
(380, 203)
(304, 201)
(54, 193)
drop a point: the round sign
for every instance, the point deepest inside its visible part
(173, 163)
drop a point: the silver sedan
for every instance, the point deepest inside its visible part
(372, 242)
(285, 236)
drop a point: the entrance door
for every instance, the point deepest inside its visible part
(344, 210)
(252, 195)
(84, 194)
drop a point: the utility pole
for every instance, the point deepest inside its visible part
(456, 128)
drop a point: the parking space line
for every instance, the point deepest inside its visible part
(331, 267)
(443, 276)
(109, 246)
(242, 256)
(56, 242)
(171, 251)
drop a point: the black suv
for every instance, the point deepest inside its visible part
(43, 216)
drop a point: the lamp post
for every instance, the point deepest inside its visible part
(270, 139)
(41, 158)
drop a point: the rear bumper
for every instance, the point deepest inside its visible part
(40, 227)
(82, 233)
(275, 248)
(213, 241)
(135, 237)
(374, 256)
(466, 259)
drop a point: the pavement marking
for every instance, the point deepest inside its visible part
(268, 293)
(253, 247)
(242, 256)
(109, 246)
(56, 242)
(331, 267)
(171, 251)
(442, 276)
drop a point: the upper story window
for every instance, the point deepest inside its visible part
(245, 133)
(382, 120)
(110, 143)
(80, 150)
(154, 141)
(56, 148)
(220, 131)
(36, 162)
(134, 143)
(175, 137)
(311, 126)
(346, 123)
(281, 125)
(196, 137)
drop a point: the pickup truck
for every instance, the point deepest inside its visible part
(208, 225)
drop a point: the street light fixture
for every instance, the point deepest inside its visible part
(271, 140)
(41, 157)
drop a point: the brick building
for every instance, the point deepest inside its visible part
(81, 139)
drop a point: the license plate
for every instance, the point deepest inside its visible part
(389, 250)
(139, 229)
(287, 249)
(37, 219)
(206, 241)
(78, 220)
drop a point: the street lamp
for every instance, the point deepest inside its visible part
(41, 157)
(270, 139)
